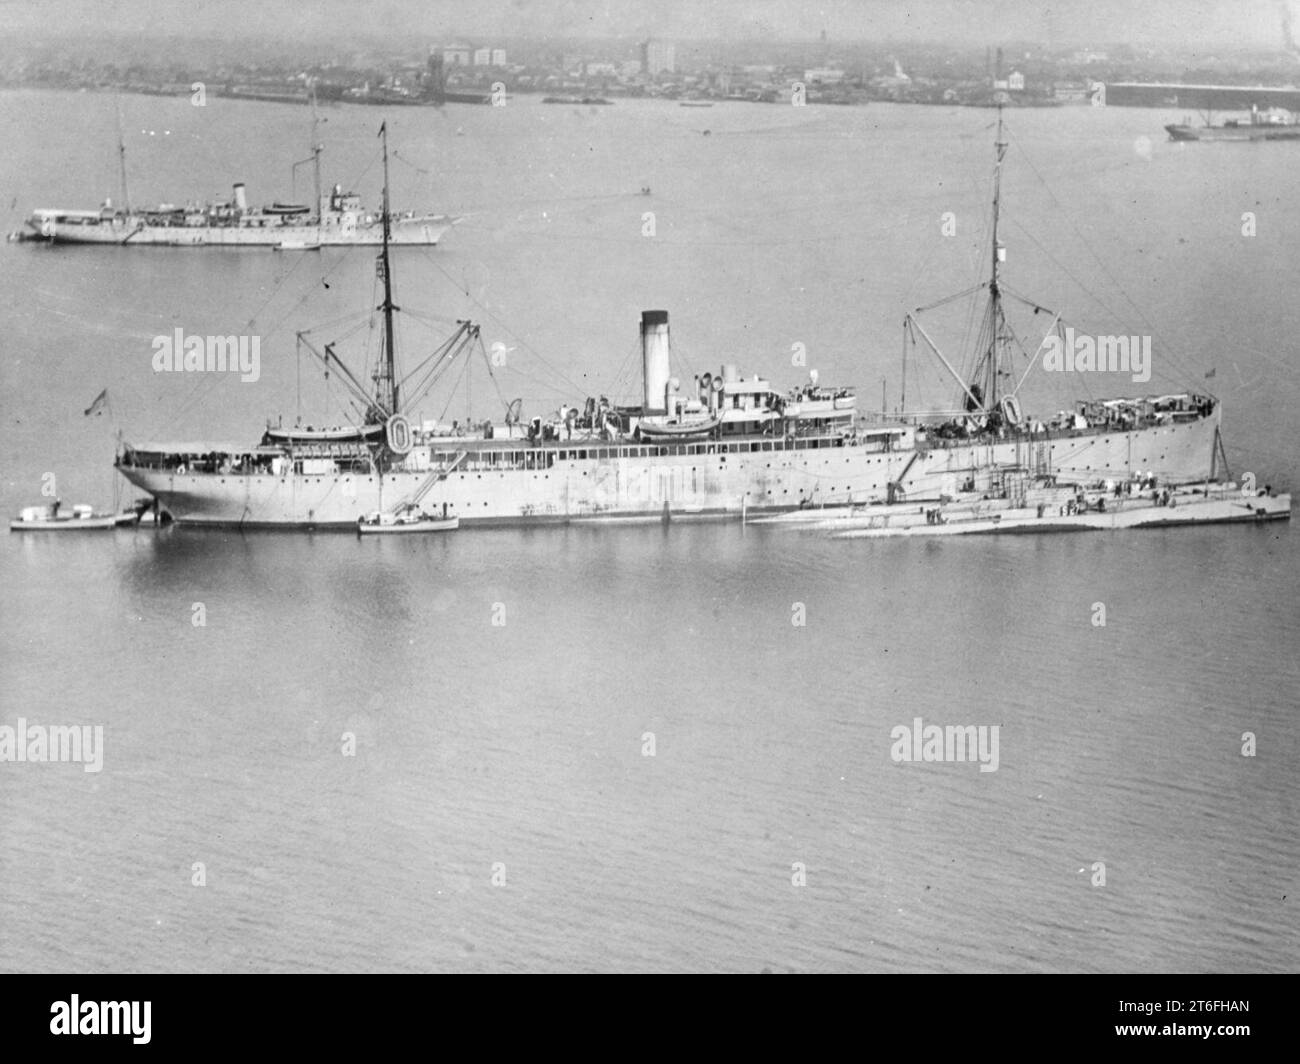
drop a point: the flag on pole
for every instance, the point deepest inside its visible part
(383, 128)
(1210, 374)
(98, 405)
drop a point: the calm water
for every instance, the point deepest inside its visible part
(481, 745)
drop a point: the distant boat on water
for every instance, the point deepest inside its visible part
(1273, 123)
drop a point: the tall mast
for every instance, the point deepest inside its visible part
(995, 292)
(982, 390)
(121, 159)
(315, 150)
(386, 374)
(1000, 147)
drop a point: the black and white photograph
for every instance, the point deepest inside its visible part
(605, 486)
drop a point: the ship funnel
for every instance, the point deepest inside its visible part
(654, 355)
(241, 200)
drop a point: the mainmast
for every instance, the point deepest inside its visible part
(985, 387)
(995, 292)
(982, 391)
(386, 373)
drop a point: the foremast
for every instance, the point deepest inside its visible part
(380, 405)
(385, 376)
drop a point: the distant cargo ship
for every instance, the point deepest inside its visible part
(1271, 124)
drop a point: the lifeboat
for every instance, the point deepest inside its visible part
(677, 432)
(331, 435)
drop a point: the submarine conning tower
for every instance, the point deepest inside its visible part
(654, 360)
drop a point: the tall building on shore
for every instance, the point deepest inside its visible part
(658, 57)
(456, 55)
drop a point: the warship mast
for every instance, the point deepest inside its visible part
(982, 391)
(986, 383)
(386, 388)
(121, 159)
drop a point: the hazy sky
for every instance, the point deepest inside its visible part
(1214, 24)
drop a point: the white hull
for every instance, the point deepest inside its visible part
(424, 231)
(96, 523)
(581, 482)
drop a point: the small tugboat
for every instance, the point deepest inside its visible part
(81, 518)
(406, 518)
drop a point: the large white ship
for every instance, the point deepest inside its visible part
(336, 219)
(339, 220)
(722, 446)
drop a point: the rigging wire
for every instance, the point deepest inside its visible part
(451, 395)
(1186, 375)
(624, 372)
(579, 389)
(1101, 263)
